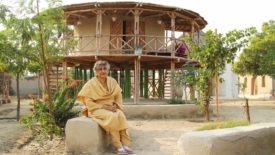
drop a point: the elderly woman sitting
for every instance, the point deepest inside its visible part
(102, 96)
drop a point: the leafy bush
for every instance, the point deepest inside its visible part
(41, 122)
(221, 125)
(178, 101)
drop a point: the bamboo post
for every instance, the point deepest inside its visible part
(154, 83)
(98, 29)
(91, 71)
(146, 82)
(137, 80)
(160, 87)
(114, 74)
(122, 82)
(85, 74)
(173, 27)
(127, 82)
(75, 72)
(217, 84)
(80, 73)
(141, 83)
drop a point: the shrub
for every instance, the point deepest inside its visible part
(178, 101)
(41, 122)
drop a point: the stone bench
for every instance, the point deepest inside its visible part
(258, 139)
(84, 136)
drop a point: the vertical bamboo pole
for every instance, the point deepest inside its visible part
(137, 72)
(217, 84)
(91, 71)
(85, 74)
(76, 73)
(160, 87)
(173, 27)
(127, 82)
(80, 73)
(98, 29)
(122, 82)
(114, 74)
(141, 83)
(136, 27)
(137, 80)
(154, 83)
(146, 82)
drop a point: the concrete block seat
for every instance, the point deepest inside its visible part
(257, 139)
(85, 136)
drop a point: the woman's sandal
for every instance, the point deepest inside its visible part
(122, 151)
(129, 150)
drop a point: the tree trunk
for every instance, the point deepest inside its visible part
(247, 110)
(206, 111)
(206, 104)
(18, 97)
(217, 92)
(45, 68)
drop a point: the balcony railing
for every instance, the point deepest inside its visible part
(127, 44)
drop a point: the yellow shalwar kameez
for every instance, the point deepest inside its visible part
(95, 96)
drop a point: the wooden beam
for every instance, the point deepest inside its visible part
(173, 18)
(146, 81)
(137, 86)
(141, 9)
(155, 15)
(98, 29)
(136, 26)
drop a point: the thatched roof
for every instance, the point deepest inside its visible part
(184, 17)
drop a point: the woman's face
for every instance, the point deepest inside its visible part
(102, 71)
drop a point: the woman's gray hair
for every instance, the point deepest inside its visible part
(99, 63)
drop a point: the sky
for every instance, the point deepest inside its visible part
(223, 15)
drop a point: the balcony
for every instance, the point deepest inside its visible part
(127, 45)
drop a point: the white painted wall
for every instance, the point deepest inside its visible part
(229, 88)
(28, 86)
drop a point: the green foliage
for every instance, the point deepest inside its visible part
(221, 125)
(178, 101)
(185, 77)
(258, 59)
(212, 56)
(41, 122)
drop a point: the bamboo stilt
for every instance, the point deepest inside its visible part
(154, 83)
(146, 82)
(141, 84)
(127, 82)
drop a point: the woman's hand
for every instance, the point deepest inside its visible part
(110, 107)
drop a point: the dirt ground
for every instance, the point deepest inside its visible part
(150, 137)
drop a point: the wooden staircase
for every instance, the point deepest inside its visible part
(167, 84)
(55, 77)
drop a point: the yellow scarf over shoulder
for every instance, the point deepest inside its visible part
(94, 90)
(96, 96)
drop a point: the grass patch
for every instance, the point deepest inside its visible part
(178, 101)
(224, 124)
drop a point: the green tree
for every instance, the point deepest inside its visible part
(16, 46)
(258, 59)
(49, 27)
(212, 56)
